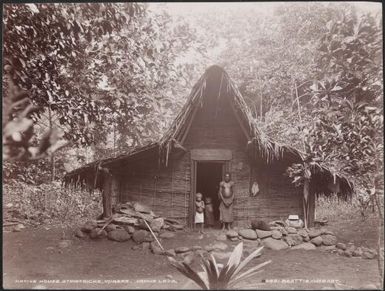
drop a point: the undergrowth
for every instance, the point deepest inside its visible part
(49, 203)
(334, 208)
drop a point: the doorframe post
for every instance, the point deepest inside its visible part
(193, 190)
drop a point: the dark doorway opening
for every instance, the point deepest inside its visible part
(208, 177)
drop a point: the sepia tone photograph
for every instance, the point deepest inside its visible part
(193, 145)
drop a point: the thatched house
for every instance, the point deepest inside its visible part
(214, 133)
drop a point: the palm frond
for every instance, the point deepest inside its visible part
(206, 277)
(214, 262)
(178, 266)
(232, 264)
(243, 275)
(189, 273)
(195, 277)
(235, 256)
(237, 281)
(211, 272)
(254, 254)
(227, 277)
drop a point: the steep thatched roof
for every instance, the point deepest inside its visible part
(259, 146)
(266, 148)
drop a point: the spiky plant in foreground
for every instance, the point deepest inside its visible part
(228, 276)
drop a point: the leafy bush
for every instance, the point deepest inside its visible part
(334, 208)
(30, 172)
(51, 202)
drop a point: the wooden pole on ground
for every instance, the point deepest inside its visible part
(153, 234)
(105, 225)
(305, 202)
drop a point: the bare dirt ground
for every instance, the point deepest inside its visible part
(32, 257)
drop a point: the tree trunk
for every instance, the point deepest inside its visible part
(106, 195)
(299, 113)
(380, 233)
(52, 158)
(261, 106)
(306, 194)
(380, 208)
(114, 138)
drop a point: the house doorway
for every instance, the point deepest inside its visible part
(208, 177)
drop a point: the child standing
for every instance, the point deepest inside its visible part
(199, 207)
(209, 212)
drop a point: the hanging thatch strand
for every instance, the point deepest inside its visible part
(259, 146)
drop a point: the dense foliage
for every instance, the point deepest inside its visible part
(312, 75)
(92, 67)
(50, 203)
(109, 76)
(345, 132)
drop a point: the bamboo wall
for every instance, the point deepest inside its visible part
(165, 190)
(168, 190)
(277, 197)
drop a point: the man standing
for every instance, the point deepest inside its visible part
(226, 196)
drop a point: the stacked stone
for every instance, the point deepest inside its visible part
(278, 236)
(129, 223)
(350, 250)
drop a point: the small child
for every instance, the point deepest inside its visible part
(199, 206)
(209, 212)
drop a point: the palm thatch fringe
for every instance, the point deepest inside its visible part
(259, 146)
(86, 175)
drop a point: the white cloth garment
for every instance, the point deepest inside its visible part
(199, 217)
(254, 189)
